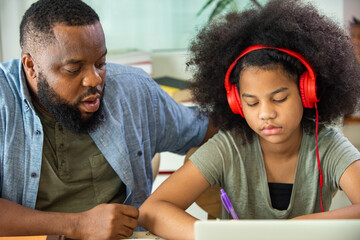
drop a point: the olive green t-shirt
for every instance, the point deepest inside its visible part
(75, 176)
(240, 170)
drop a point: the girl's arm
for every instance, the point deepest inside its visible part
(350, 184)
(163, 213)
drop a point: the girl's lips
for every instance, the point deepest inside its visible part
(91, 105)
(271, 130)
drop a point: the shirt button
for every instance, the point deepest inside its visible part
(37, 132)
(139, 153)
(33, 175)
(61, 146)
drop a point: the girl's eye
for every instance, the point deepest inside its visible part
(280, 100)
(252, 104)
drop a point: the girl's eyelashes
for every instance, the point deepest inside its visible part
(252, 104)
(280, 100)
(274, 100)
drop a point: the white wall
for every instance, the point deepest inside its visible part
(0, 41)
(331, 8)
(11, 12)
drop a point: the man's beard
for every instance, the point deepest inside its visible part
(67, 114)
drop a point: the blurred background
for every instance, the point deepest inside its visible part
(155, 35)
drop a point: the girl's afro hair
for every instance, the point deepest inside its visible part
(289, 24)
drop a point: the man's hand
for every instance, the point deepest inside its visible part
(107, 221)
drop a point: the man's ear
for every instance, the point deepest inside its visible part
(30, 72)
(29, 65)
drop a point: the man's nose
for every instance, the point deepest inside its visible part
(92, 78)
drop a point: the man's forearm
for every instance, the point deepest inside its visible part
(104, 221)
(19, 220)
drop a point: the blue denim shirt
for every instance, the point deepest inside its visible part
(141, 119)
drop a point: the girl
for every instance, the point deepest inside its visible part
(289, 74)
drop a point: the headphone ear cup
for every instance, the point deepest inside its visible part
(307, 88)
(234, 100)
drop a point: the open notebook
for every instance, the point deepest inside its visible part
(277, 229)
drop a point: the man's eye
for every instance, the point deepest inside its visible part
(73, 71)
(100, 65)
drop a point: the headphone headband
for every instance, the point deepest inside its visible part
(307, 83)
(258, 47)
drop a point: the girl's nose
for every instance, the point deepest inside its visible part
(266, 111)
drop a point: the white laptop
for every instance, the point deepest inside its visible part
(277, 229)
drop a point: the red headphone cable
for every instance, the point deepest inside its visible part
(318, 156)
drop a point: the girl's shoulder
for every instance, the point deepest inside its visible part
(233, 137)
(230, 142)
(331, 142)
(329, 134)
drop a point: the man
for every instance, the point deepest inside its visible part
(77, 135)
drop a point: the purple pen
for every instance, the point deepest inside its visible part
(227, 204)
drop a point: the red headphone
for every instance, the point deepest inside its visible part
(307, 82)
(307, 86)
